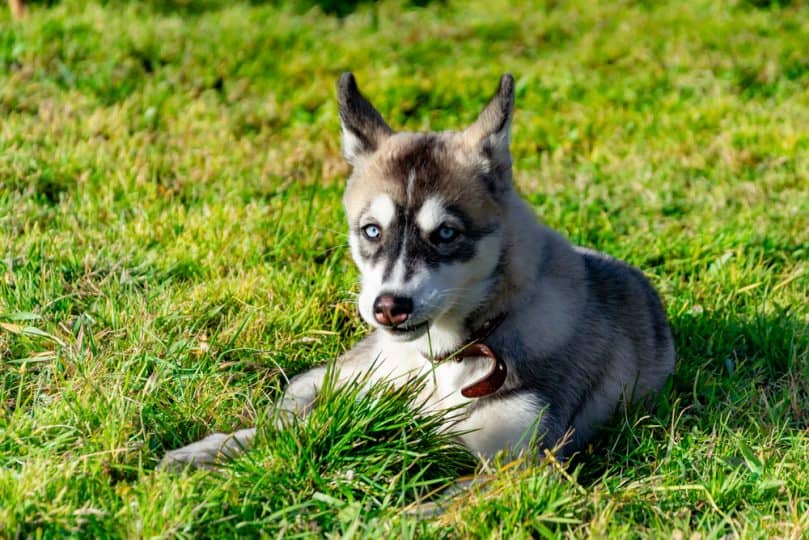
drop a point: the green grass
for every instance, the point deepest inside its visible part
(171, 241)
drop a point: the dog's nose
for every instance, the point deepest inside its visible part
(392, 310)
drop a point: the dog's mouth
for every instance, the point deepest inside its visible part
(409, 331)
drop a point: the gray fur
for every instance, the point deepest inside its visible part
(583, 335)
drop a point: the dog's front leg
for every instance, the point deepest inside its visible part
(298, 399)
(208, 452)
(300, 395)
(213, 449)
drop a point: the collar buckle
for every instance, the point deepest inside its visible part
(493, 380)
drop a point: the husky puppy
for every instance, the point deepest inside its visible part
(526, 335)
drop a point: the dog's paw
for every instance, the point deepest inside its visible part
(209, 452)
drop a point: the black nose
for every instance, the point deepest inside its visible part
(392, 310)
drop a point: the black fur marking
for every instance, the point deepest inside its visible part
(419, 250)
(497, 114)
(505, 92)
(358, 115)
(469, 229)
(504, 121)
(367, 144)
(422, 159)
(403, 236)
(394, 243)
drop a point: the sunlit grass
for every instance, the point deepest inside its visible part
(172, 247)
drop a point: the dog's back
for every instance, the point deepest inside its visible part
(619, 348)
(637, 348)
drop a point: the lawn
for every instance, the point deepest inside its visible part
(172, 246)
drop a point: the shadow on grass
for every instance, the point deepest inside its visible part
(731, 373)
(729, 370)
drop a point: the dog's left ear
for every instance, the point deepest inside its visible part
(491, 132)
(363, 126)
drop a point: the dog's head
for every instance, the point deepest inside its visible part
(425, 213)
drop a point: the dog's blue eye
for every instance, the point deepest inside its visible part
(372, 232)
(446, 233)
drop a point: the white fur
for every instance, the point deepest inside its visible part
(382, 210)
(431, 214)
(490, 427)
(209, 451)
(353, 148)
(371, 288)
(507, 423)
(302, 390)
(411, 179)
(397, 278)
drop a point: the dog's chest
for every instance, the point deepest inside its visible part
(486, 425)
(400, 362)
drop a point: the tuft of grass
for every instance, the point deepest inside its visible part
(172, 248)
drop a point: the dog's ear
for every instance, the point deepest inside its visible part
(491, 132)
(362, 125)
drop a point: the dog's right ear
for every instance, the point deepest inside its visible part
(363, 126)
(491, 132)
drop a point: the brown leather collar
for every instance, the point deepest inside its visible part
(494, 379)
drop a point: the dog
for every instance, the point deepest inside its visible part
(534, 343)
